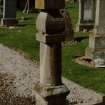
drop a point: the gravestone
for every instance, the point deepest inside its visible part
(86, 15)
(50, 25)
(96, 48)
(9, 13)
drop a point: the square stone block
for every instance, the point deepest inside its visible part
(49, 4)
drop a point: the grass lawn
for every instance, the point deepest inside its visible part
(23, 38)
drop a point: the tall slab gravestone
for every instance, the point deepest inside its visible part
(86, 15)
(96, 48)
(9, 13)
(50, 25)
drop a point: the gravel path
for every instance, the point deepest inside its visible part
(19, 75)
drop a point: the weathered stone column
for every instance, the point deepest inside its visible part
(86, 15)
(9, 13)
(96, 49)
(51, 26)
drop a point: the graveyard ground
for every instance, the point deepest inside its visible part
(22, 39)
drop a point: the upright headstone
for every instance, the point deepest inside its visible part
(96, 49)
(86, 15)
(51, 27)
(9, 13)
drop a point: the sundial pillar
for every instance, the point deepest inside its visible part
(50, 25)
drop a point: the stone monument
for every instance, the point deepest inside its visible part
(96, 48)
(86, 15)
(9, 13)
(51, 26)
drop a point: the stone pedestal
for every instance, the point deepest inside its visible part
(96, 48)
(86, 15)
(50, 90)
(50, 25)
(9, 13)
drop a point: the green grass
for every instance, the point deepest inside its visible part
(23, 38)
(83, 75)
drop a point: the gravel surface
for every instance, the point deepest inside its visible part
(19, 75)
